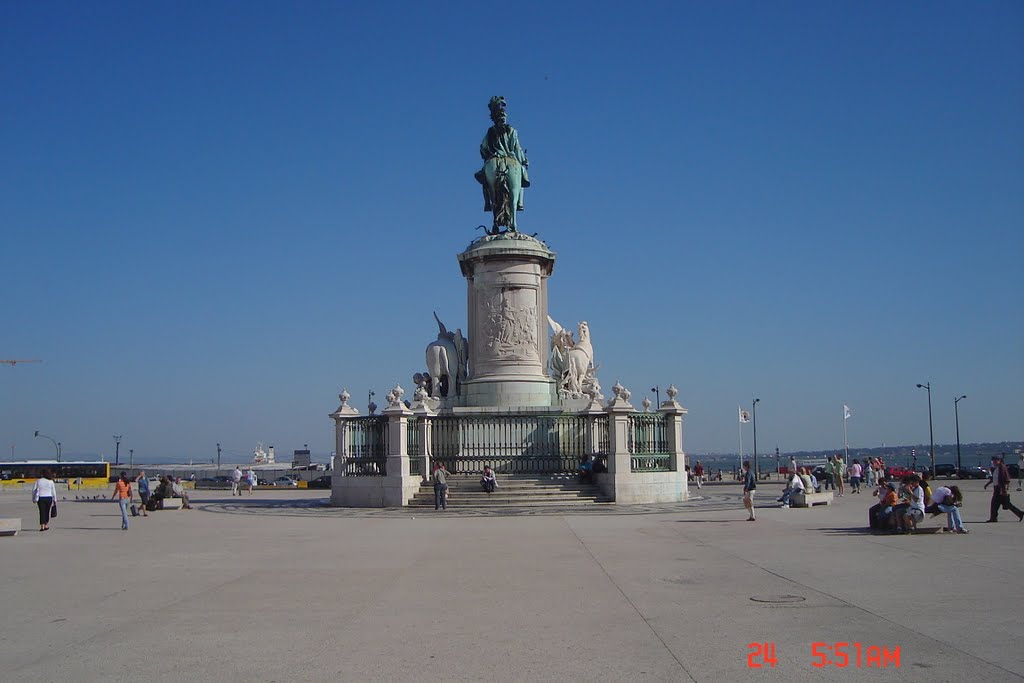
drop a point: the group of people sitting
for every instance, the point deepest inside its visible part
(902, 507)
(802, 481)
(168, 487)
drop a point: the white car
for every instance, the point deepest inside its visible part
(285, 481)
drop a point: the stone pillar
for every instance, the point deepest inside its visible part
(507, 306)
(674, 413)
(399, 486)
(618, 410)
(341, 416)
(424, 413)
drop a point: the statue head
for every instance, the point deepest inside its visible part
(497, 107)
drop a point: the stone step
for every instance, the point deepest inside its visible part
(511, 502)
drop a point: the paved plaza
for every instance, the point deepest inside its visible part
(277, 587)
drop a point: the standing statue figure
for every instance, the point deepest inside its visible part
(447, 361)
(504, 174)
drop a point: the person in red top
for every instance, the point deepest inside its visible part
(123, 495)
(698, 474)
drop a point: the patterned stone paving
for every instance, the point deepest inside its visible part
(320, 508)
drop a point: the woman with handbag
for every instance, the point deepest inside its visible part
(44, 493)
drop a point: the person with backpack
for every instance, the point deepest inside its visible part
(123, 495)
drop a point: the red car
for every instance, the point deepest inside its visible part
(898, 472)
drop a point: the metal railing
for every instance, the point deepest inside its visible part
(650, 463)
(367, 445)
(647, 434)
(412, 436)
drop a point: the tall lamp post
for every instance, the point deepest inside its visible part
(657, 395)
(52, 440)
(931, 434)
(117, 449)
(753, 410)
(956, 415)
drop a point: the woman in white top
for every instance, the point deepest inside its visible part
(43, 495)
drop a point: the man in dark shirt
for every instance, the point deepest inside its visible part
(1001, 491)
(749, 486)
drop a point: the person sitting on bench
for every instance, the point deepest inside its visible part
(796, 485)
(914, 512)
(887, 506)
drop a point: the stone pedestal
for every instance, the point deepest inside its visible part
(508, 317)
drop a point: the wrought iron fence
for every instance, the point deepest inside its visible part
(367, 446)
(647, 434)
(602, 439)
(511, 444)
(651, 463)
(412, 436)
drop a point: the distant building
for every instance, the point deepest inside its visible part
(300, 458)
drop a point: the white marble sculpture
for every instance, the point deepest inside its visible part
(572, 362)
(395, 397)
(447, 361)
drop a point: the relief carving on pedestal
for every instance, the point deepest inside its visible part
(510, 324)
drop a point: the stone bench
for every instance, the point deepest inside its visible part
(10, 526)
(171, 504)
(806, 500)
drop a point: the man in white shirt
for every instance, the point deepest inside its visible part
(796, 485)
(236, 480)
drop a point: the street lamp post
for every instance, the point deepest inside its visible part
(757, 470)
(218, 457)
(956, 415)
(56, 445)
(117, 449)
(657, 395)
(131, 458)
(931, 434)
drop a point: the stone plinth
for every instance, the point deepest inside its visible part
(508, 312)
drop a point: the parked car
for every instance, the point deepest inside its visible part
(943, 470)
(973, 472)
(323, 482)
(218, 482)
(262, 482)
(284, 481)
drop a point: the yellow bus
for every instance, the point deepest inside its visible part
(75, 474)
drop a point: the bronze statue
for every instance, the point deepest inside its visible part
(504, 173)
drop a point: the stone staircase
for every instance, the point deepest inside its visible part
(514, 491)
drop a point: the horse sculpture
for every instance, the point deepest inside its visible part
(447, 361)
(573, 361)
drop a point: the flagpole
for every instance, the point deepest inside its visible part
(846, 443)
(739, 428)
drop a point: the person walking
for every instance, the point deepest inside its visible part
(749, 486)
(236, 481)
(840, 471)
(250, 479)
(855, 472)
(123, 495)
(698, 474)
(142, 484)
(1020, 469)
(44, 493)
(1001, 491)
(441, 486)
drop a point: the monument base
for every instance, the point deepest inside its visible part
(505, 392)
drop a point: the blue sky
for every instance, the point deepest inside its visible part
(214, 216)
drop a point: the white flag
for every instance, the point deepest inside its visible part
(846, 412)
(744, 416)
